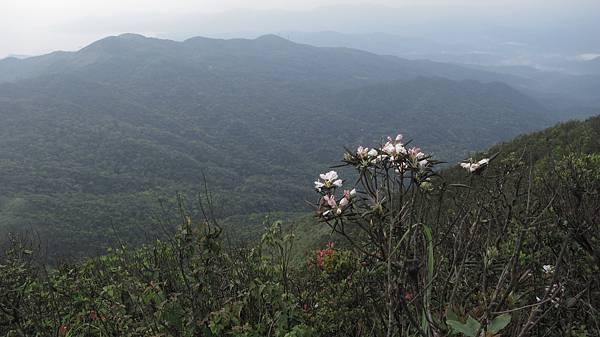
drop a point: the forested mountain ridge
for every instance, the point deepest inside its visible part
(91, 141)
(270, 56)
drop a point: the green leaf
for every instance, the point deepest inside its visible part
(451, 315)
(499, 323)
(458, 327)
(468, 329)
(474, 324)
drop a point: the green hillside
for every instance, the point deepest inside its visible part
(96, 144)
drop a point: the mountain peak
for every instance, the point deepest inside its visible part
(273, 40)
(127, 42)
(131, 36)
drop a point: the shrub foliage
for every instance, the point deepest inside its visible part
(503, 248)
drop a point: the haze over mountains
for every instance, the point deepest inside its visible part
(91, 139)
(572, 79)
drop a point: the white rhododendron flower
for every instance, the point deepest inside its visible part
(474, 167)
(389, 148)
(394, 148)
(362, 152)
(548, 269)
(331, 175)
(397, 139)
(330, 179)
(372, 153)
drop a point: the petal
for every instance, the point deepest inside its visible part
(331, 175)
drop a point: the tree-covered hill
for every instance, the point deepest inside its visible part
(92, 141)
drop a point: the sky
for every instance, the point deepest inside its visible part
(32, 27)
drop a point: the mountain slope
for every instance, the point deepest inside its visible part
(90, 144)
(450, 118)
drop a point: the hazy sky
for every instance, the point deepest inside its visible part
(38, 26)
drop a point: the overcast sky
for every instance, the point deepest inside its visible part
(31, 27)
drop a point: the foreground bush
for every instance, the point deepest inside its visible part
(503, 248)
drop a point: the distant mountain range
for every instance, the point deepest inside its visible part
(575, 83)
(91, 141)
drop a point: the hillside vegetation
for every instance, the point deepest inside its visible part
(505, 245)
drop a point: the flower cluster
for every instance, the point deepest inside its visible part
(475, 167)
(394, 149)
(365, 153)
(375, 164)
(323, 254)
(392, 154)
(329, 206)
(417, 157)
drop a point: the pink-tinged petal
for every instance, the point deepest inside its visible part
(413, 151)
(399, 138)
(344, 202)
(362, 151)
(338, 183)
(330, 199)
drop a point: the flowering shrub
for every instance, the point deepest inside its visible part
(393, 218)
(324, 254)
